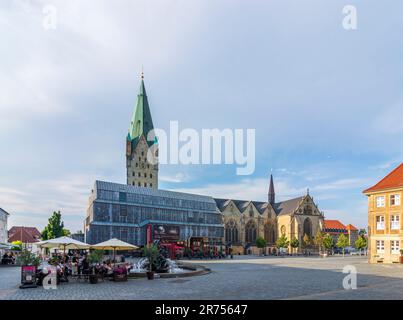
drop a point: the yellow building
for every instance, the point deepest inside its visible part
(385, 210)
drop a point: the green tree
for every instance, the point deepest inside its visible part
(342, 242)
(307, 241)
(261, 243)
(282, 242)
(328, 242)
(318, 240)
(151, 252)
(55, 227)
(362, 232)
(361, 243)
(294, 243)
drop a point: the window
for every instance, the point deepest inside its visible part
(380, 246)
(395, 222)
(250, 232)
(123, 211)
(145, 174)
(139, 174)
(395, 200)
(151, 184)
(137, 164)
(145, 184)
(394, 247)
(134, 174)
(380, 223)
(151, 175)
(142, 153)
(139, 184)
(380, 202)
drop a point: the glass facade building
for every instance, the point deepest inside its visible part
(137, 215)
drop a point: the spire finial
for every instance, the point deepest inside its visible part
(142, 72)
(307, 191)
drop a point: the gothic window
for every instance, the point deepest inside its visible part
(251, 212)
(151, 184)
(250, 232)
(139, 184)
(151, 175)
(308, 227)
(269, 233)
(231, 232)
(139, 174)
(145, 174)
(145, 184)
(137, 164)
(134, 174)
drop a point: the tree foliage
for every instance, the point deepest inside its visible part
(361, 243)
(307, 240)
(261, 243)
(328, 242)
(294, 243)
(55, 227)
(342, 242)
(282, 242)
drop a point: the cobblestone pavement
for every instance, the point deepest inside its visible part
(242, 278)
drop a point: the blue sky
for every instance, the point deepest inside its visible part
(326, 103)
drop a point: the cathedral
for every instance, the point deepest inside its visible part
(244, 220)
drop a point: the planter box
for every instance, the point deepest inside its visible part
(119, 277)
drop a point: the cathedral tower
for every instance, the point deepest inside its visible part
(141, 154)
(271, 194)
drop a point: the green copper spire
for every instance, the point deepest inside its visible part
(141, 122)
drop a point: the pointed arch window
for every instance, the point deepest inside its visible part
(231, 232)
(250, 232)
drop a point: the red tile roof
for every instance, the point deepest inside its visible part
(392, 180)
(24, 234)
(334, 224)
(351, 227)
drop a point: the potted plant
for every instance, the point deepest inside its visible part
(29, 263)
(401, 256)
(94, 258)
(151, 252)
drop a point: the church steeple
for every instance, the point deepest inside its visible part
(142, 171)
(271, 194)
(141, 122)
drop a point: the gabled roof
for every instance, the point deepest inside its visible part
(24, 234)
(351, 227)
(4, 211)
(392, 180)
(261, 206)
(334, 225)
(287, 207)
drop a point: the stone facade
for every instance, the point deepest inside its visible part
(140, 172)
(245, 221)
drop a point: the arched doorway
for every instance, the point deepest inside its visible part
(307, 228)
(269, 233)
